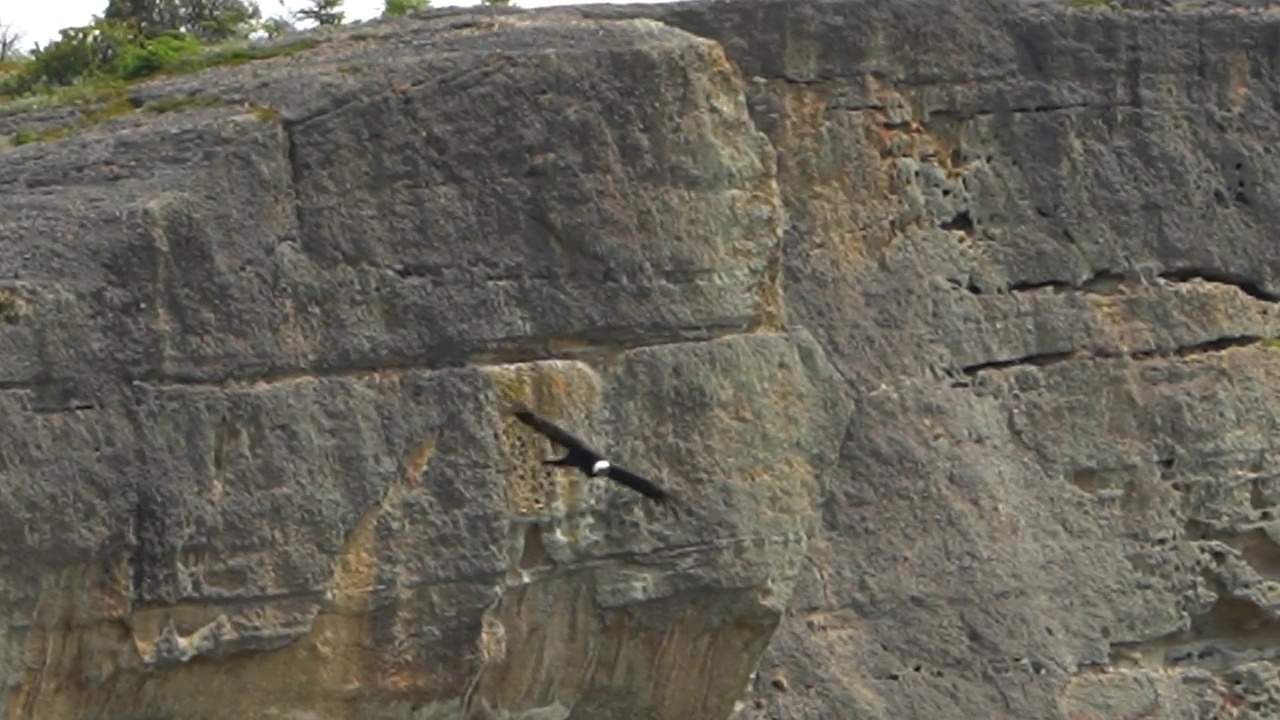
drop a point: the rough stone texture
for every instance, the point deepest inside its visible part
(254, 366)
(1039, 245)
(950, 323)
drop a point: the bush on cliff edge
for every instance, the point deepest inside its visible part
(105, 48)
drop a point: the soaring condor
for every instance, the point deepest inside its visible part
(588, 461)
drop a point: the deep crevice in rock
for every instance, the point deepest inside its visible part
(605, 341)
(1246, 285)
(1211, 346)
(1038, 360)
(1041, 285)
(1233, 631)
(1109, 282)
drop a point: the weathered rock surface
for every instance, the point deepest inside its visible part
(948, 322)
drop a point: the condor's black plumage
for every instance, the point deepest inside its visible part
(589, 462)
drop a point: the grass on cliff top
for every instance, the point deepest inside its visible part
(14, 98)
(102, 94)
(112, 105)
(235, 54)
(111, 100)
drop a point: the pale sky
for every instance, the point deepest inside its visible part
(39, 21)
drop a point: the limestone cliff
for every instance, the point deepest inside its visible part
(950, 323)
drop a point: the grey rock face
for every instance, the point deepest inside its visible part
(255, 365)
(1036, 242)
(950, 324)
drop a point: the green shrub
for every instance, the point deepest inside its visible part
(86, 61)
(107, 51)
(393, 8)
(155, 55)
(80, 53)
(239, 54)
(209, 20)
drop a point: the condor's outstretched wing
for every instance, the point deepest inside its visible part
(552, 431)
(644, 487)
(637, 483)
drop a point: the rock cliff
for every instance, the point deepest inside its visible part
(950, 323)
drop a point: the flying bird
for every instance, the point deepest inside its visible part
(588, 461)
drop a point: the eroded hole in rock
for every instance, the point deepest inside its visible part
(1088, 480)
(12, 307)
(1139, 496)
(1233, 619)
(961, 222)
(1256, 548)
(535, 552)
(1257, 496)
(1132, 490)
(1233, 630)
(1196, 529)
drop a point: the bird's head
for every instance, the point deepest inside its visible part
(600, 468)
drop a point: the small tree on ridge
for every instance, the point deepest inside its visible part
(322, 12)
